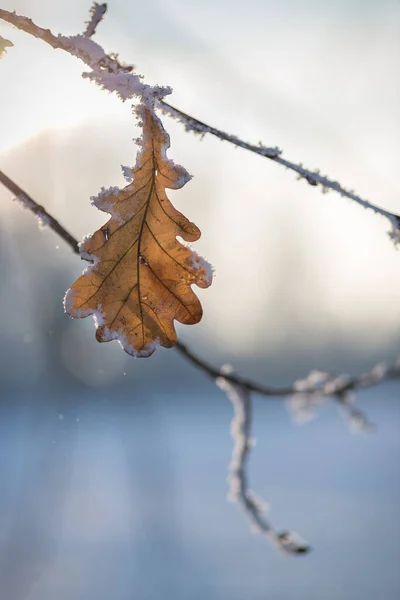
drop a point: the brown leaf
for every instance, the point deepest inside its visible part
(141, 276)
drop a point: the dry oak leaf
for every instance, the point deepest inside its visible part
(141, 276)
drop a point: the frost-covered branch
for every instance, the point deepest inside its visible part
(111, 75)
(305, 395)
(45, 218)
(97, 12)
(316, 385)
(239, 490)
(334, 386)
(106, 70)
(200, 128)
(314, 178)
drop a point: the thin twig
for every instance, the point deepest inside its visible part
(97, 12)
(192, 124)
(239, 489)
(38, 210)
(106, 70)
(334, 386)
(215, 372)
(110, 74)
(314, 178)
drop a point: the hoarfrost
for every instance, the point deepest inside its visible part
(239, 490)
(96, 13)
(303, 407)
(104, 201)
(198, 262)
(292, 543)
(127, 173)
(314, 380)
(394, 233)
(41, 215)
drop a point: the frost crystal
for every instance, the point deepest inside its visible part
(96, 13)
(357, 420)
(126, 85)
(337, 384)
(314, 380)
(292, 543)
(26, 202)
(303, 407)
(127, 173)
(104, 201)
(394, 233)
(201, 263)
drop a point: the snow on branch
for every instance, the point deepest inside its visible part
(313, 391)
(44, 217)
(305, 394)
(113, 76)
(338, 386)
(314, 178)
(97, 12)
(200, 128)
(316, 385)
(239, 490)
(106, 70)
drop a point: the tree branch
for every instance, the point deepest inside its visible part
(97, 12)
(44, 217)
(106, 70)
(334, 386)
(275, 154)
(239, 490)
(111, 75)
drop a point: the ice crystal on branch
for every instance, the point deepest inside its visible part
(97, 12)
(394, 233)
(292, 543)
(313, 391)
(239, 490)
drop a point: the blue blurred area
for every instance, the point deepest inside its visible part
(123, 495)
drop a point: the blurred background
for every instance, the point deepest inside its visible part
(112, 470)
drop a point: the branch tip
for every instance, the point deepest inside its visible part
(97, 12)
